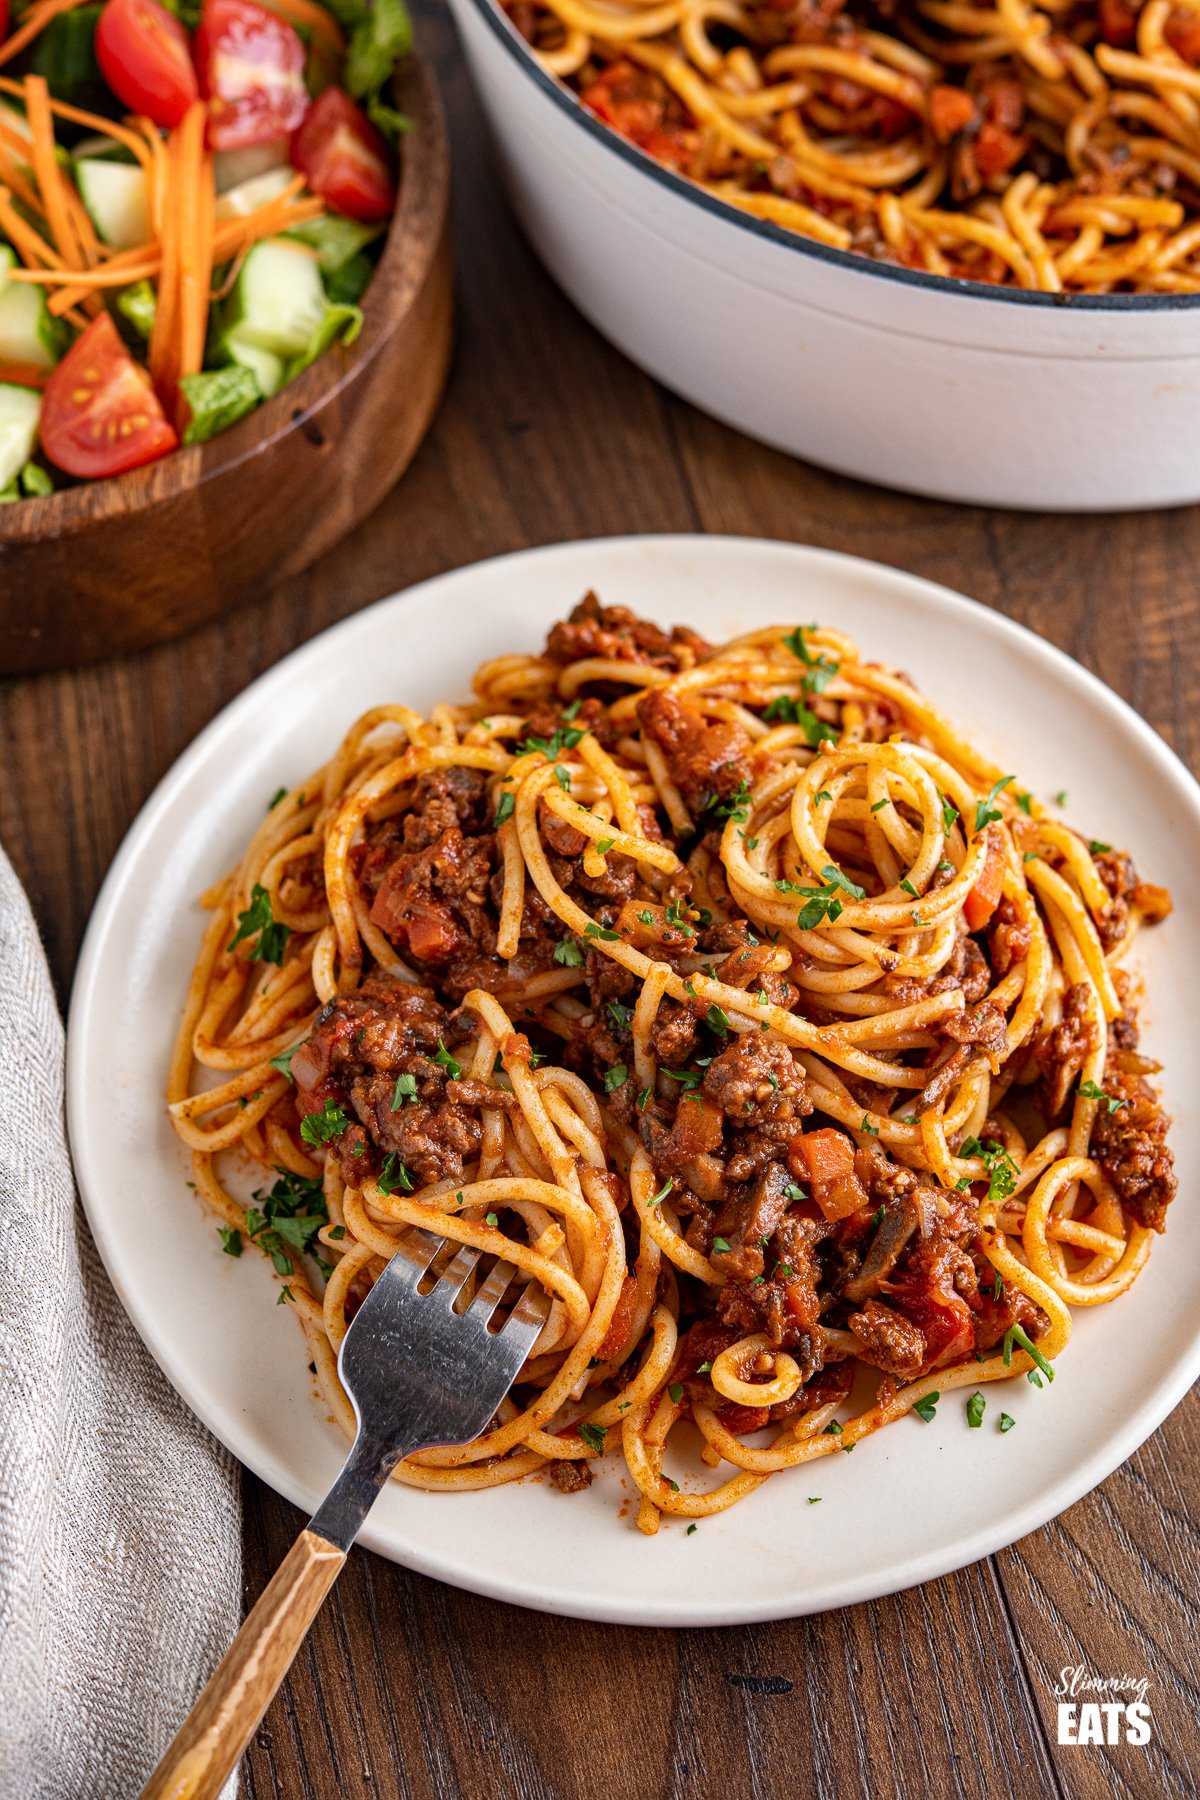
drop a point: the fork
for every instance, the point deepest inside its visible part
(419, 1373)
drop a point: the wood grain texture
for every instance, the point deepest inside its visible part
(407, 1688)
(235, 1697)
(116, 565)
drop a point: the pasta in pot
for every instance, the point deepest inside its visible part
(733, 995)
(1052, 147)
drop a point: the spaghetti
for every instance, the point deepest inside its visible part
(732, 995)
(1052, 146)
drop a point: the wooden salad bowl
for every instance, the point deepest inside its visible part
(116, 565)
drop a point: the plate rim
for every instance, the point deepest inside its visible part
(1091, 1469)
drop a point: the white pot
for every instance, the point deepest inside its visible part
(945, 388)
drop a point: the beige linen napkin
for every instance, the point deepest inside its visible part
(120, 1542)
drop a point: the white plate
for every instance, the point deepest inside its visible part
(921, 1499)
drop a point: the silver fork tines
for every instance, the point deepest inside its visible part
(418, 1374)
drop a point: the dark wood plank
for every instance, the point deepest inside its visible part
(408, 1688)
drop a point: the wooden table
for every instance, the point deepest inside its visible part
(408, 1687)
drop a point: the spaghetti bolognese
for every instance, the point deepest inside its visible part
(730, 993)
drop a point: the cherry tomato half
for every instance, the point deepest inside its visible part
(100, 415)
(344, 159)
(251, 66)
(145, 58)
(4, 9)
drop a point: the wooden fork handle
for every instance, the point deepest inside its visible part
(221, 1723)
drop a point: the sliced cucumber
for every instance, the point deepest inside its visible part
(19, 409)
(29, 333)
(232, 167)
(265, 365)
(248, 196)
(117, 199)
(278, 302)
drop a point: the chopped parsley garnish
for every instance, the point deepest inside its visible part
(734, 806)
(406, 1089)
(231, 1237)
(504, 810)
(782, 1272)
(676, 1391)
(330, 1122)
(568, 953)
(642, 1098)
(833, 1429)
(796, 713)
(646, 917)
(949, 813)
(283, 1062)
(703, 1368)
(814, 1499)
(877, 1217)
(285, 1294)
(615, 1077)
(871, 1130)
(492, 1219)
(1015, 1335)
(337, 1232)
(818, 670)
(880, 804)
(908, 887)
(824, 903)
(565, 738)
(1030, 856)
(720, 1245)
(394, 1175)
(603, 932)
(998, 1287)
(687, 1078)
(1092, 1091)
(985, 812)
(1002, 1170)
(1025, 802)
(620, 1015)
(1096, 848)
(718, 1020)
(691, 1528)
(975, 1409)
(604, 845)
(677, 914)
(1007, 1421)
(926, 1407)
(447, 1062)
(817, 798)
(286, 1218)
(259, 921)
(562, 778)
(276, 797)
(594, 1436)
(570, 712)
(663, 1191)
(1060, 799)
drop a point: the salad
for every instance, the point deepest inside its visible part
(192, 196)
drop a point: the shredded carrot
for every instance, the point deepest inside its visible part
(23, 375)
(197, 199)
(25, 240)
(160, 353)
(156, 172)
(93, 121)
(38, 18)
(11, 176)
(44, 156)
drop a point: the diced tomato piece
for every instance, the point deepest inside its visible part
(829, 1158)
(997, 149)
(697, 1127)
(432, 934)
(1118, 23)
(344, 159)
(1183, 35)
(951, 110)
(100, 414)
(146, 59)
(984, 897)
(251, 66)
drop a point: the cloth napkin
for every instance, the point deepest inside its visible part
(120, 1541)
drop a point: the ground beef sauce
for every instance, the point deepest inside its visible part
(901, 1274)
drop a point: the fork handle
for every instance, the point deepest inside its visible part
(220, 1725)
